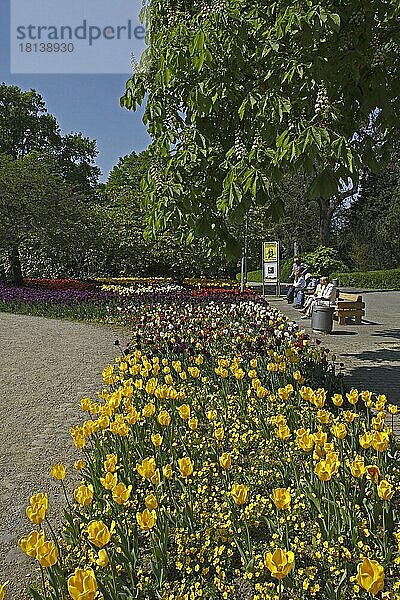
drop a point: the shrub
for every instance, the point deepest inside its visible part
(324, 260)
(378, 280)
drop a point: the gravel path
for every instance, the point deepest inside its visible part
(46, 366)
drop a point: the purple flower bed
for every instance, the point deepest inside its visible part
(9, 293)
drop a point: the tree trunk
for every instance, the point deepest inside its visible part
(15, 266)
(325, 222)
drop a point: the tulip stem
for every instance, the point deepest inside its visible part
(43, 581)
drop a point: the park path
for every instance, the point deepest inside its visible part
(370, 352)
(46, 366)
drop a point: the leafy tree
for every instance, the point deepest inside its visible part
(31, 138)
(240, 92)
(369, 228)
(37, 207)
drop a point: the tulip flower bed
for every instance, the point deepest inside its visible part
(223, 459)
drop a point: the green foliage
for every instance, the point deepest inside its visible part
(370, 231)
(376, 280)
(324, 261)
(239, 93)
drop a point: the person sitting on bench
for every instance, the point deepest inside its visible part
(325, 293)
(296, 291)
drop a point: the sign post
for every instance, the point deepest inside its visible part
(270, 265)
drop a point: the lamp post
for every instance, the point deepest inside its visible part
(243, 272)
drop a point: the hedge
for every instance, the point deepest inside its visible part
(377, 280)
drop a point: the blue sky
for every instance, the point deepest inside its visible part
(85, 103)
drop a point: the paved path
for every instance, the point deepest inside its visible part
(46, 366)
(370, 351)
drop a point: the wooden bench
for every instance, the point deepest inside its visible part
(349, 305)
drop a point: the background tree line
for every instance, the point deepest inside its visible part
(58, 220)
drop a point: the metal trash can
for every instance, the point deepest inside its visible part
(322, 318)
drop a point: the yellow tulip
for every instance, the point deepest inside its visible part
(373, 472)
(370, 576)
(132, 416)
(47, 554)
(82, 584)
(146, 468)
(146, 519)
(219, 434)
(30, 544)
(156, 438)
(2, 589)
(353, 396)
(79, 465)
(337, 399)
(193, 423)
(280, 563)
(121, 493)
(151, 502)
(102, 559)
(149, 410)
(83, 494)
(185, 466)
(99, 534)
(385, 490)
(225, 460)
(184, 411)
(109, 481)
(58, 471)
(281, 498)
(357, 467)
(167, 471)
(164, 418)
(380, 441)
(239, 493)
(110, 464)
(339, 430)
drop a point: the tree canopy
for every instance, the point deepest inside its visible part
(240, 92)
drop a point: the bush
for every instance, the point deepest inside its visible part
(378, 280)
(324, 260)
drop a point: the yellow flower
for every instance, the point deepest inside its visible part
(184, 411)
(167, 471)
(132, 416)
(38, 505)
(110, 464)
(102, 558)
(281, 498)
(147, 468)
(79, 465)
(323, 416)
(239, 493)
(185, 466)
(146, 519)
(30, 544)
(164, 418)
(212, 415)
(283, 432)
(58, 471)
(156, 439)
(149, 410)
(99, 534)
(393, 409)
(151, 502)
(193, 423)
(280, 563)
(373, 472)
(84, 494)
(339, 430)
(370, 576)
(2, 589)
(385, 490)
(365, 440)
(82, 584)
(155, 480)
(357, 467)
(225, 460)
(304, 440)
(380, 441)
(47, 554)
(352, 396)
(109, 481)
(325, 469)
(121, 493)
(219, 434)
(337, 399)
